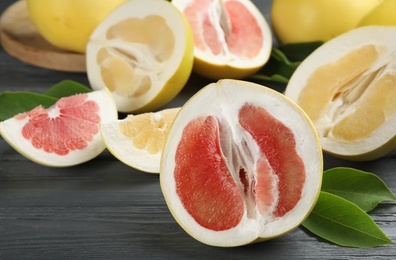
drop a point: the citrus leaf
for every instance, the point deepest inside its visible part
(283, 61)
(299, 51)
(15, 102)
(12, 103)
(278, 65)
(343, 223)
(66, 88)
(274, 78)
(361, 188)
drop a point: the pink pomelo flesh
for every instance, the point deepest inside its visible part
(202, 177)
(245, 38)
(215, 196)
(67, 126)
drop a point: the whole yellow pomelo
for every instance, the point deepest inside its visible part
(316, 20)
(383, 14)
(67, 24)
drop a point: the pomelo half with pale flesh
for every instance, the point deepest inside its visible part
(348, 89)
(65, 134)
(242, 163)
(143, 53)
(232, 39)
(137, 140)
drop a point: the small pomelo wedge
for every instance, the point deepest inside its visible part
(65, 134)
(232, 39)
(137, 140)
(143, 53)
(242, 163)
(348, 89)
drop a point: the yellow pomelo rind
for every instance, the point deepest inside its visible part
(246, 232)
(383, 14)
(316, 20)
(166, 78)
(68, 24)
(347, 88)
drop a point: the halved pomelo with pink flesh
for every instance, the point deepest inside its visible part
(348, 89)
(65, 134)
(231, 37)
(241, 163)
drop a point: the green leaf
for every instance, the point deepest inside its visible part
(274, 78)
(15, 102)
(283, 61)
(12, 103)
(278, 68)
(299, 51)
(343, 223)
(364, 189)
(66, 88)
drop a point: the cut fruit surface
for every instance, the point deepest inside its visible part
(143, 53)
(347, 87)
(242, 163)
(65, 134)
(138, 139)
(232, 38)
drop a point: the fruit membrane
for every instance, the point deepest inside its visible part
(241, 163)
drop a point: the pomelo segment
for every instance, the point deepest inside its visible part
(347, 87)
(65, 134)
(232, 38)
(208, 177)
(277, 143)
(143, 53)
(242, 163)
(137, 140)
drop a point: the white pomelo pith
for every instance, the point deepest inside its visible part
(232, 39)
(65, 134)
(242, 163)
(143, 53)
(348, 89)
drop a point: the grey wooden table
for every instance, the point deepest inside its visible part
(104, 209)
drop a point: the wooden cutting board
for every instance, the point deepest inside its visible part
(21, 40)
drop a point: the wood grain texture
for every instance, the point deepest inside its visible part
(103, 209)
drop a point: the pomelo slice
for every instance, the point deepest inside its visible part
(65, 134)
(232, 39)
(242, 163)
(348, 89)
(137, 140)
(143, 53)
